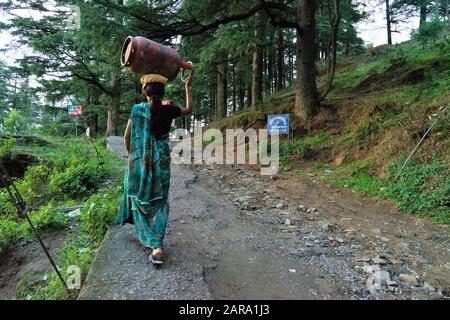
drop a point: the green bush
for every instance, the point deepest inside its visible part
(7, 209)
(68, 173)
(34, 185)
(14, 123)
(80, 179)
(12, 229)
(430, 31)
(6, 146)
(99, 212)
(9, 231)
(294, 148)
(48, 216)
(318, 140)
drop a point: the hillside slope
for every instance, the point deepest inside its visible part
(377, 112)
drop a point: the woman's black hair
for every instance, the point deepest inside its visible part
(156, 91)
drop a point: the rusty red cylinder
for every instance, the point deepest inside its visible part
(144, 56)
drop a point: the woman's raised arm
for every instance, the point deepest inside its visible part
(189, 105)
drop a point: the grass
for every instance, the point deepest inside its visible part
(291, 151)
(352, 76)
(318, 141)
(422, 188)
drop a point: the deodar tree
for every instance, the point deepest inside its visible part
(245, 50)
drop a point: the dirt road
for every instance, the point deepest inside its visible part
(236, 235)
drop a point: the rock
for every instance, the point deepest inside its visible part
(408, 279)
(391, 283)
(196, 215)
(416, 263)
(279, 205)
(364, 259)
(394, 261)
(384, 276)
(376, 231)
(16, 164)
(349, 230)
(339, 239)
(429, 287)
(302, 207)
(339, 159)
(287, 222)
(378, 260)
(324, 225)
(447, 265)
(435, 296)
(370, 269)
(74, 213)
(296, 252)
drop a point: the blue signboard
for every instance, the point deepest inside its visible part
(278, 124)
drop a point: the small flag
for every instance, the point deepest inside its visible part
(74, 109)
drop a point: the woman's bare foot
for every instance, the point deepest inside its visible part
(158, 253)
(157, 256)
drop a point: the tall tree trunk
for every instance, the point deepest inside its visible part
(334, 23)
(222, 89)
(423, 14)
(280, 60)
(306, 98)
(241, 92)
(290, 65)
(249, 95)
(213, 103)
(444, 8)
(112, 126)
(257, 64)
(388, 22)
(234, 80)
(270, 65)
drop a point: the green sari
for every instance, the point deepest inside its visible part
(147, 181)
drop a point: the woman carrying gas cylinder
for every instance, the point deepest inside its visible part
(147, 177)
